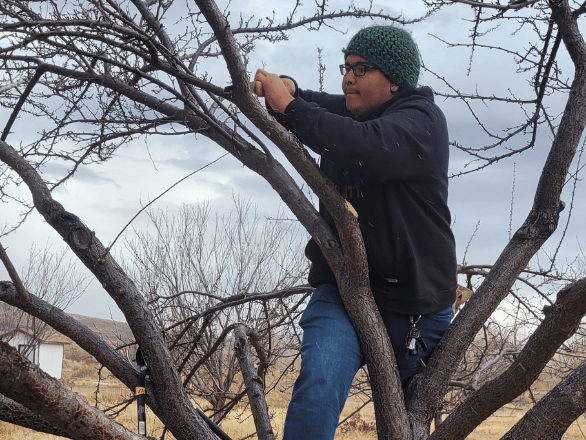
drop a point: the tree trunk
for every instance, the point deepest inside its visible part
(541, 222)
(560, 323)
(551, 417)
(28, 385)
(352, 269)
(17, 414)
(177, 412)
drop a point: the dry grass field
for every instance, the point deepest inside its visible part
(81, 373)
(241, 426)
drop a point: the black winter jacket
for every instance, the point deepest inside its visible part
(392, 166)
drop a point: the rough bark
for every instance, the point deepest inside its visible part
(561, 321)
(348, 259)
(82, 336)
(27, 384)
(74, 330)
(551, 417)
(541, 222)
(177, 412)
(352, 272)
(254, 386)
(17, 414)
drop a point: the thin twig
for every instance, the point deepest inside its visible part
(102, 257)
(22, 292)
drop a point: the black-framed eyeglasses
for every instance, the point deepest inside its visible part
(357, 69)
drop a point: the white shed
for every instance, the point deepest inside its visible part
(47, 354)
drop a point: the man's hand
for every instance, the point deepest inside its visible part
(278, 92)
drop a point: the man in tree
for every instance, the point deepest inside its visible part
(384, 144)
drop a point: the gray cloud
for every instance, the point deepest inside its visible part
(107, 196)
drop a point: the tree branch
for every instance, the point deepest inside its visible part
(17, 414)
(88, 248)
(22, 293)
(561, 321)
(254, 385)
(28, 385)
(513, 5)
(551, 417)
(351, 269)
(539, 225)
(74, 330)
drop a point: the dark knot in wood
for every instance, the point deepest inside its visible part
(81, 237)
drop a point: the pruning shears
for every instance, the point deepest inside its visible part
(143, 372)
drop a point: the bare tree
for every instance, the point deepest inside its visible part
(53, 277)
(186, 270)
(121, 69)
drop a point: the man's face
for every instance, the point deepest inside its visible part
(365, 93)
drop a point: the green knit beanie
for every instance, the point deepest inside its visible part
(390, 49)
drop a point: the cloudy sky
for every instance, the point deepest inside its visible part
(107, 196)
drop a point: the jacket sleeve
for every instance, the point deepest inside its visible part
(332, 103)
(398, 145)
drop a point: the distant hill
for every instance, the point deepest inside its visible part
(113, 332)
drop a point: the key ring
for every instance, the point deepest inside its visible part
(414, 321)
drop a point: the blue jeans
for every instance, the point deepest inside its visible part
(331, 356)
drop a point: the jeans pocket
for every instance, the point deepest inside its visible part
(434, 325)
(444, 315)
